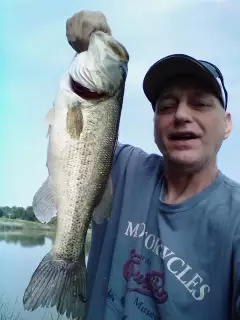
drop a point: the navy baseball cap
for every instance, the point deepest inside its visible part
(182, 64)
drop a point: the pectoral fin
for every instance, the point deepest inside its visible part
(43, 203)
(75, 121)
(50, 116)
(50, 119)
(104, 208)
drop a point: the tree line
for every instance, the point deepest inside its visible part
(19, 213)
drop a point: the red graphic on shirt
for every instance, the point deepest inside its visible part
(149, 284)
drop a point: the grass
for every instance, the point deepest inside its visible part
(17, 224)
(7, 312)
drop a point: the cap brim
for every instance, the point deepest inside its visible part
(171, 66)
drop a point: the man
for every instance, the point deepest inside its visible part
(172, 247)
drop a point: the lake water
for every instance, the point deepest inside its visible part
(20, 254)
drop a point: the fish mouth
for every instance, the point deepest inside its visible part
(183, 136)
(85, 93)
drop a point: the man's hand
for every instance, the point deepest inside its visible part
(80, 26)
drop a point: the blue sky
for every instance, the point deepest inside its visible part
(34, 54)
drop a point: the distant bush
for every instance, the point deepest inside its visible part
(18, 213)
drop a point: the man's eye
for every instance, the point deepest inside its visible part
(200, 104)
(166, 105)
(164, 108)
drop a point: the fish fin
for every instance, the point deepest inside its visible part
(103, 209)
(50, 115)
(43, 203)
(49, 130)
(57, 283)
(50, 119)
(75, 121)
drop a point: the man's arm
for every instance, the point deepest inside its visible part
(236, 276)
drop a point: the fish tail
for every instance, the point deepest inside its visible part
(60, 284)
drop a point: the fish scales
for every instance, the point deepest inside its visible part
(91, 169)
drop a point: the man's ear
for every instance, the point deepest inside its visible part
(228, 125)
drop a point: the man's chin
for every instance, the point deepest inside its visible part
(184, 160)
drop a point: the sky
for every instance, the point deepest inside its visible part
(35, 53)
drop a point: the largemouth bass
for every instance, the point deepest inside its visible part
(82, 138)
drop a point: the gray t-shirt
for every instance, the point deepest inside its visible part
(158, 261)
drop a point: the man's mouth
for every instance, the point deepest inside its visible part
(183, 136)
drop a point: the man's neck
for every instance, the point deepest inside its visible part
(181, 185)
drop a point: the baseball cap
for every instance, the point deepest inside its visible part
(181, 64)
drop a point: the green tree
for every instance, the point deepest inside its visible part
(6, 211)
(21, 213)
(14, 213)
(29, 214)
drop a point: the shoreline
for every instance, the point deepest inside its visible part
(25, 225)
(29, 229)
(17, 224)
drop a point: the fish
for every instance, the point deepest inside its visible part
(82, 137)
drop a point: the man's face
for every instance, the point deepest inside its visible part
(189, 123)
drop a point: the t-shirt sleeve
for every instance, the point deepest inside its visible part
(126, 159)
(236, 276)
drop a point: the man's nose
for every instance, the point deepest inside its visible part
(183, 112)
